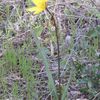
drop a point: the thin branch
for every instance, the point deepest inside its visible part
(96, 96)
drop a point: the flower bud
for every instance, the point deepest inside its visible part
(68, 39)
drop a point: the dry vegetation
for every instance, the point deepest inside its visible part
(28, 51)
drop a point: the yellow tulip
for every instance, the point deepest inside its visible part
(40, 5)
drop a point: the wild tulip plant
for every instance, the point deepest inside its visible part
(40, 6)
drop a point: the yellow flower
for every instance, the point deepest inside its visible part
(40, 5)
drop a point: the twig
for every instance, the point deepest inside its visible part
(58, 51)
(96, 96)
